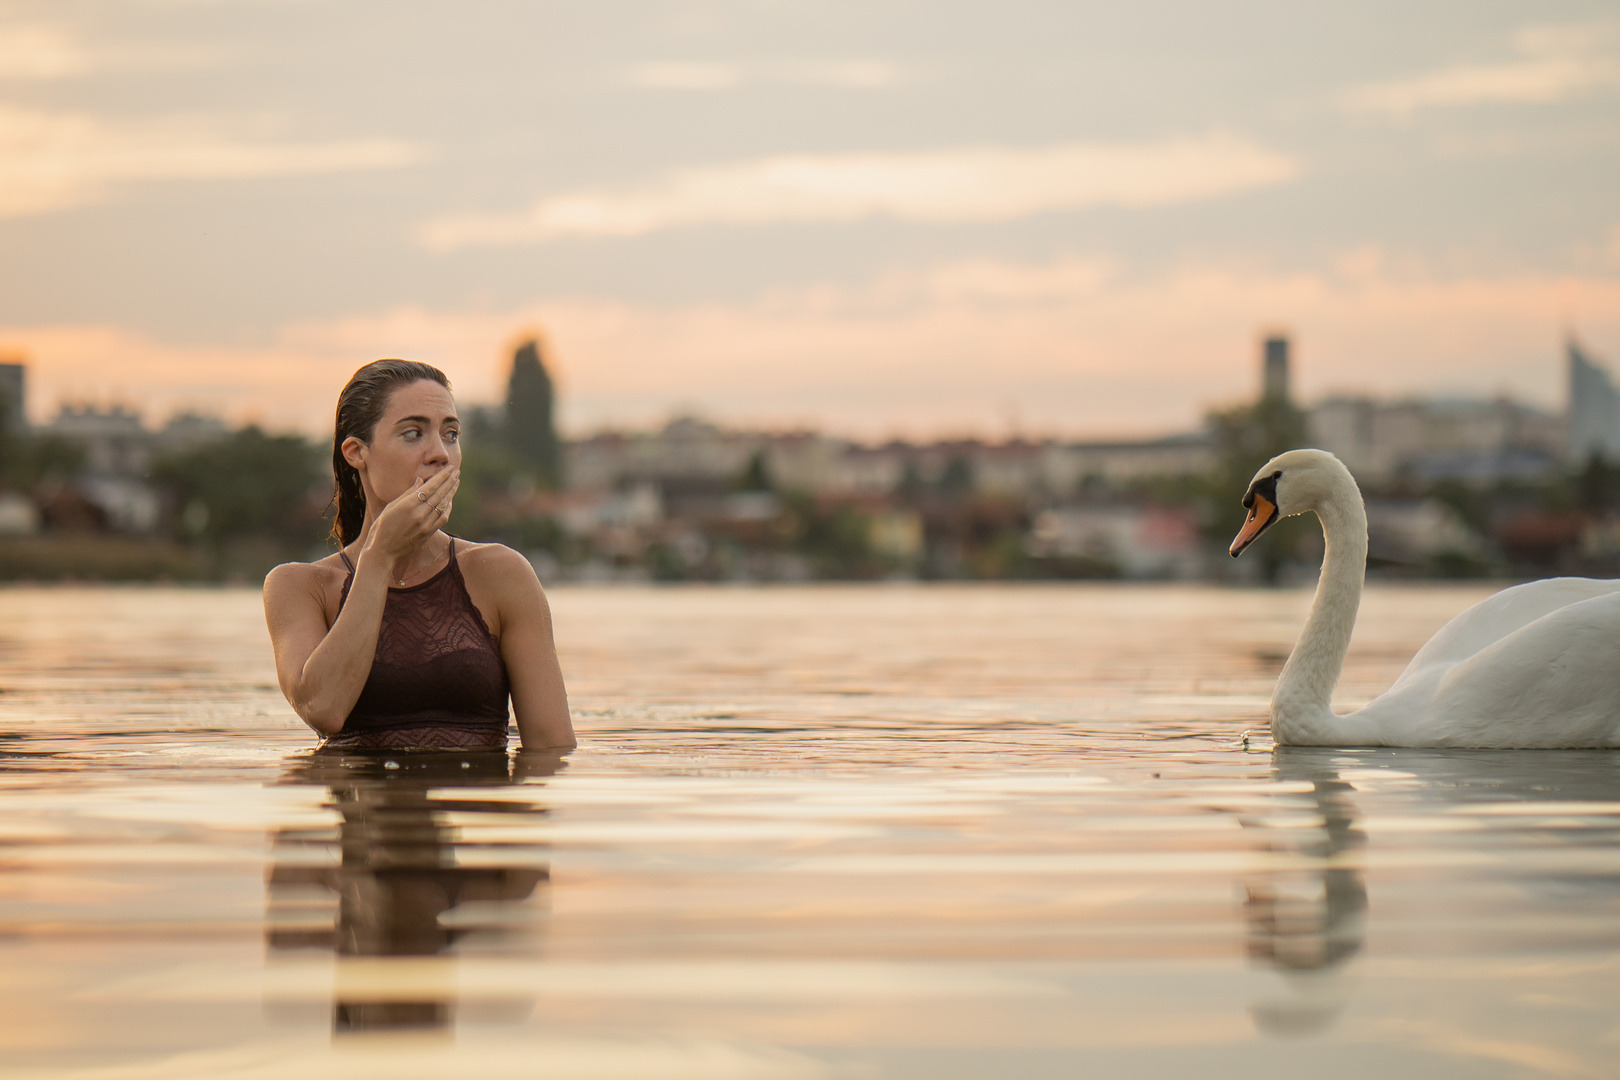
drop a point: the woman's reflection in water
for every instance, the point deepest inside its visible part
(1307, 924)
(397, 874)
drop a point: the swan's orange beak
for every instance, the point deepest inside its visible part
(1261, 514)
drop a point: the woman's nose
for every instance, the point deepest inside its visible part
(437, 451)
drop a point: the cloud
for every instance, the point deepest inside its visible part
(1555, 63)
(1077, 346)
(976, 184)
(677, 75)
(45, 51)
(41, 52)
(52, 161)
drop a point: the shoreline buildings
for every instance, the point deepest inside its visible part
(696, 499)
(1383, 441)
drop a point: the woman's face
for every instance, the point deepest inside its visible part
(418, 436)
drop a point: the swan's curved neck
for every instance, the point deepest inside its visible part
(1301, 705)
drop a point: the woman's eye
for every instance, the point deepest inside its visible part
(452, 436)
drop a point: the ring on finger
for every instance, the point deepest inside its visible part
(421, 496)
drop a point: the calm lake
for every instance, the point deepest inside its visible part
(910, 831)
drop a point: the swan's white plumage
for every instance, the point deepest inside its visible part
(1534, 666)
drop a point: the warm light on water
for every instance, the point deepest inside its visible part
(810, 832)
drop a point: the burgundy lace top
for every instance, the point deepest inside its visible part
(437, 680)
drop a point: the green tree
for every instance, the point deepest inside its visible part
(486, 475)
(1598, 486)
(29, 459)
(756, 476)
(247, 485)
(911, 486)
(1246, 437)
(957, 481)
(531, 429)
(10, 440)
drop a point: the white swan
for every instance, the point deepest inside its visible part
(1535, 666)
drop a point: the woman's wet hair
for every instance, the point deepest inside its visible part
(359, 409)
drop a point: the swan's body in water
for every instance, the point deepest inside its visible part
(1535, 666)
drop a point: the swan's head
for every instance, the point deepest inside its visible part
(1289, 484)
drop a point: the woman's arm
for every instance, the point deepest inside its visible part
(539, 699)
(322, 670)
(321, 692)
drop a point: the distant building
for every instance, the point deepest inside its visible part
(188, 430)
(897, 533)
(685, 448)
(1414, 532)
(1069, 465)
(1472, 440)
(689, 449)
(129, 504)
(115, 441)
(117, 453)
(1136, 541)
(13, 397)
(18, 514)
(1274, 369)
(1594, 408)
(808, 461)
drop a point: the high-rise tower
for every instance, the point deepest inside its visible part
(1594, 408)
(1274, 369)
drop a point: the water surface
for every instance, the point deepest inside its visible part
(810, 832)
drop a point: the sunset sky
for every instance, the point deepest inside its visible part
(878, 217)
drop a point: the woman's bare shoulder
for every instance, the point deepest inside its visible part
(495, 561)
(318, 577)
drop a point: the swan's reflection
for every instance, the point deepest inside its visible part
(1322, 926)
(396, 874)
(1307, 923)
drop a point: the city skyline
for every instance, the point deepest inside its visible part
(884, 219)
(1360, 428)
(1581, 369)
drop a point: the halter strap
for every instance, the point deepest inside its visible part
(344, 555)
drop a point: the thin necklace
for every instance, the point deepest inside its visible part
(401, 581)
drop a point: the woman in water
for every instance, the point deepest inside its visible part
(407, 637)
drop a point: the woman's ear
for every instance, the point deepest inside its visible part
(354, 452)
